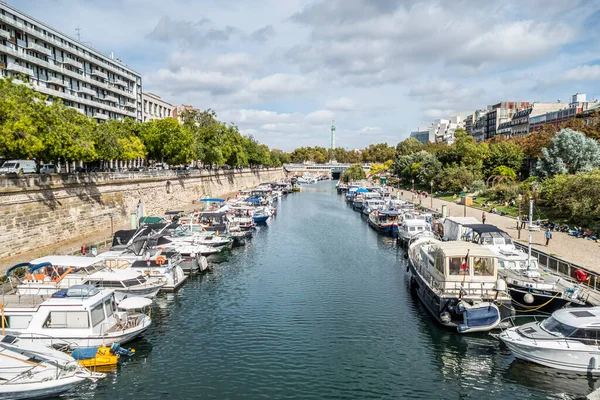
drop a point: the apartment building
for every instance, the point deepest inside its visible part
(577, 105)
(519, 125)
(499, 113)
(56, 65)
(155, 108)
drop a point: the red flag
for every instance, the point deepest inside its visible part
(464, 264)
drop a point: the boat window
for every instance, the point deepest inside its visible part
(17, 321)
(455, 266)
(67, 319)
(412, 229)
(97, 314)
(133, 282)
(419, 228)
(106, 284)
(499, 241)
(439, 262)
(108, 306)
(487, 240)
(483, 266)
(590, 336)
(558, 328)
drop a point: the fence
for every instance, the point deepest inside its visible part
(36, 180)
(561, 266)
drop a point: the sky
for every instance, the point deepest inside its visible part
(282, 70)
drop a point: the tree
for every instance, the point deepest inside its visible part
(570, 152)
(471, 154)
(409, 146)
(377, 168)
(380, 153)
(454, 178)
(22, 123)
(504, 171)
(504, 154)
(354, 172)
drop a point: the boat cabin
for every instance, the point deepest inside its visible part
(213, 221)
(486, 234)
(582, 324)
(385, 217)
(411, 227)
(460, 262)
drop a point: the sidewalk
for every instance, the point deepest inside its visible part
(582, 252)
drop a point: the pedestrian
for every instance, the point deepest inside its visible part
(483, 217)
(548, 236)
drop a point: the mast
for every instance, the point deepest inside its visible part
(529, 229)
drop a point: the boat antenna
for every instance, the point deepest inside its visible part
(530, 233)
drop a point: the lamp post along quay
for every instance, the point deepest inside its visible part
(431, 194)
(465, 201)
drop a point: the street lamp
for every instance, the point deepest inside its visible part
(520, 219)
(431, 193)
(412, 196)
(465, 201)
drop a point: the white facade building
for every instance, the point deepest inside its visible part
(61, 67)
(442, 130)
(155, 108)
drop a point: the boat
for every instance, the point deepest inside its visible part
(567, 341)
(410, 227)
(100, 356)
(47, 275)
(260, 216)
(458, 284)
(156, 265)
(372, 205)
(82, 315)
(31, 370)
(385, 221)
(530, 287)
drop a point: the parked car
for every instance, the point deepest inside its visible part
(81, 170)
(162, 166)
(18, 167)
(48, 169)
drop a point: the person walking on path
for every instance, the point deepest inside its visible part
(548, 236)
(483, 217)
(518, 221)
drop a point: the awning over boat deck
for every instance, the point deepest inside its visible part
(484, 228)
(460, 249)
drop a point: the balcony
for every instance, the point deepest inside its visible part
(130, 104)
(102, 117)
(99, 74)
(119, 82)
(81, 111)
(20, 69)
(56, 81)
(40, 49)
(73, 63)
(112, 99)
(88, 91)
(4, 34)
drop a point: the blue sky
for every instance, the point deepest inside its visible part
(282, 70)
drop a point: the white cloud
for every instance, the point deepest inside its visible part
(281, 83)
(340, 104)
(370, 130)
(320, 116)
(580, 73)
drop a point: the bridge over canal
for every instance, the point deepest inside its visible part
(331, 169)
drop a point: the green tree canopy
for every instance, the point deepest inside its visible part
(569, 152)
(354, 172)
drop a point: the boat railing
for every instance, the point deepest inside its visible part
(539, 318)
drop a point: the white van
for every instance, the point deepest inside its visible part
(18, 167)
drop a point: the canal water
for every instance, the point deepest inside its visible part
(316, 306)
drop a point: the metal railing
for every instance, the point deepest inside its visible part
(561, 266)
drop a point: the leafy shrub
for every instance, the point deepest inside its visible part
(477, 186)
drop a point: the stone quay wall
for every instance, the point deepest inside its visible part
(40, 210)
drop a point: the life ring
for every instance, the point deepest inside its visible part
(160, 260)
(580, 275)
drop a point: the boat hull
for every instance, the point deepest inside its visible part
(572, 356)
(544, 301)
(260, 220)
(387, 229)
(40, 389)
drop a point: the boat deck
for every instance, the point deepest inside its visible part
(22, 301)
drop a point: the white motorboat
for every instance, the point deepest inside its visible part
(32, 370)
(156, 266)
(458, 284)
(569, 340)
(47, 275)
(82, 315)
(410, 227)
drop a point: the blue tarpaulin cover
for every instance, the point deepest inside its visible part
(84, 353)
